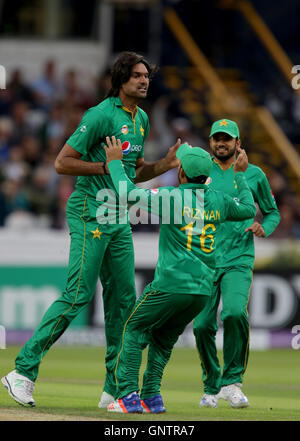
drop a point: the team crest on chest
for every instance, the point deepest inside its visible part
(208, 180)
(124, 129)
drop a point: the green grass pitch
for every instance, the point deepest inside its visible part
(71, 380)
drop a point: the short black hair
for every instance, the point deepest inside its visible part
(121, 70)
(197, 180)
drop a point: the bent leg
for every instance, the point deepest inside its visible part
(84, 263)
(135, 337)
(183, 308)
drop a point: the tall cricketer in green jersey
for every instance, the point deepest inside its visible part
(98, 249)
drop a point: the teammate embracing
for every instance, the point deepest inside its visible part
(184, 273)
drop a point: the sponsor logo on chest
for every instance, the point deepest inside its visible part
(127, 148)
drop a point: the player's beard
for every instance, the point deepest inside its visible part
(138, 94)
(133, 94)
(225, 157)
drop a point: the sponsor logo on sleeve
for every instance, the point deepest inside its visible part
(273, 197)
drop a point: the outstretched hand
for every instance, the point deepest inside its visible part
(114, 150)
(170, 158)
(241, 162)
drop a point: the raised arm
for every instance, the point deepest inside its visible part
(243, 207)
(149, 170)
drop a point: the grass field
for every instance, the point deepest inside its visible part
(71, 380)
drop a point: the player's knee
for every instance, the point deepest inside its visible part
(234, 315)
(203, 325)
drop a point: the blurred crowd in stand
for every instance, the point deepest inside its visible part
(36, 119)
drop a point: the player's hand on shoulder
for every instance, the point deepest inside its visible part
(241, 162)
(113, 149)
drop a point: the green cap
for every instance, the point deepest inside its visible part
(194, 160)
(225, 126)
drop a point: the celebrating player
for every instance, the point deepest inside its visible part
(97, 249)
(234, 268)
(183, 278)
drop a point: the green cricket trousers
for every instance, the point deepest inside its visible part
(96, 250)
(233, 284)
(157, 320)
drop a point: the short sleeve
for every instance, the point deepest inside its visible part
(92, 128)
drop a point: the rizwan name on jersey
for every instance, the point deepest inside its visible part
(198, 213)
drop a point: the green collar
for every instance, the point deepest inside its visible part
(118, 101)
(215, 162)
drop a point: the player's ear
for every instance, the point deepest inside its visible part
(182, 174)
(238, 142)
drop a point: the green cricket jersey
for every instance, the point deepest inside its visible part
(109, 118)
(236, 246)
(186, 262)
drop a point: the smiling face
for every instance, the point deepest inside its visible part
(223, 146)
(137, 85)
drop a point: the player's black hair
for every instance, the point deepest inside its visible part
(121, 70)
(197, 180)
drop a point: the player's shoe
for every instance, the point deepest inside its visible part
(153, 405)
(20, 388)
(105, 400)
(129, 404)
(234, 395)
(209, 401)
